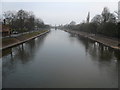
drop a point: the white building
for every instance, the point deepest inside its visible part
(119, 11)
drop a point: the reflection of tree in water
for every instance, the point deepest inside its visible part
(20, 55)
(117, 54)
(23, 55)
(98, 51)
(85, 41)
(6, 51)
(34, 44)
(27, 53)
(101, 52)
(72, 35)
(105, 54)
(92, 50)
(103, 57)
(8, 65)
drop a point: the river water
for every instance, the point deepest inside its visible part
(60, 60)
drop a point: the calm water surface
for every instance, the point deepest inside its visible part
(59, 60)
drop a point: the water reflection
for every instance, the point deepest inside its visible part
(6, 52)
(60, 60)
(21, 54)
(0, 73)
(104, 57)
(97, 50)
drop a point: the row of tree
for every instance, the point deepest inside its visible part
(22, 21)
(105, 24)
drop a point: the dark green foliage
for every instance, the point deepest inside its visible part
(105, 24)
(118, 30)
(108, 29)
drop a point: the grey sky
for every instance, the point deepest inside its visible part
(61, 12)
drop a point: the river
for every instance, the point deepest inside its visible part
(60, 60)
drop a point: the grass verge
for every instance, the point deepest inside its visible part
(12, 40)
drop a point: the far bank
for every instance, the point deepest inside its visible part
(112, 43)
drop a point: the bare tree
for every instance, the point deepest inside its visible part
(97, 19)
(22, 17)
(9, 16)
(105, 14)
(112, 18)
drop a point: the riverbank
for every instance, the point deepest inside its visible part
(112, 43)
(13, 41)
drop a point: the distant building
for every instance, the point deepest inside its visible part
(119, 11)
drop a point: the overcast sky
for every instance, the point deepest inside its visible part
(61, 11)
